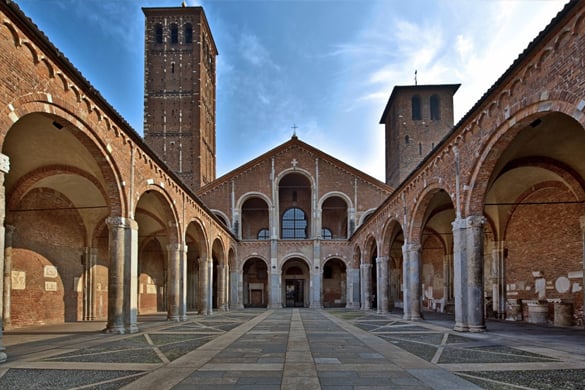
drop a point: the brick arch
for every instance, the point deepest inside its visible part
(253, 194)
(25, 183)
(89, 138)
(254, 257)
(417, 221)
(219, 246)
(483, 169)
(200, 228)
(171, 212)
(389, 232)
(301, 171)
(336, 257)
(332, 194)
(370, 245)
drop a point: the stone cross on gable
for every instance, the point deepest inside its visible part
(294, 162)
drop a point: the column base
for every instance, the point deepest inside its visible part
(477, 328)
(3, 356)
(315, 306)
(175, 318)
(115, 329)
(413, 317)
(132, 329)
(461, 328)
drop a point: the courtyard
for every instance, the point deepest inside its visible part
(295, 348)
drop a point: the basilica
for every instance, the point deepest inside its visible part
(484, 218)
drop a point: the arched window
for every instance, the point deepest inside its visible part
(188, 33)
(435, 108)
(326, 233)
(158, 33)
(416, 111)
(264, 234)
(294, 224)
(174, 34)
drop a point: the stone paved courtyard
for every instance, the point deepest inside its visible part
(295, 348)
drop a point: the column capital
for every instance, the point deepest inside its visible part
(177, 247)
(366, 265)
(4, 163)
(469, 222)
(382, 259)
(121, 223)
(411, 247)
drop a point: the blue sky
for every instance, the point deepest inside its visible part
(327, 66)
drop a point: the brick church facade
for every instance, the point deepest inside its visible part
(482, 218)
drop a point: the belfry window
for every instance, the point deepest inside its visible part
(158, 33)
(435, 108)
(188, 33)
(416, 110)
(174, 34)
(294, 224)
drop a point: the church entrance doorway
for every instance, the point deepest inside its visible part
(294, 293)
(295, 282)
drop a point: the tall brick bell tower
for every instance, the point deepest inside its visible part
(179, 91)
(416, 119)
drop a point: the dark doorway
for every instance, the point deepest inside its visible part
(295, 292)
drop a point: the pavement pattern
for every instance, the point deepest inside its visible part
(295, 349)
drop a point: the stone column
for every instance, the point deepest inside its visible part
(447, 279)
(582, 222)
(366, 274)
(183, 278)
(413, 293)
(316, 274)
(382, 293)
(122, 275)
(499, 282)
(173, 282)
(236, 288)
(89, 261)
(203, 286)
(221, 287)
(275, 275)
(210, 295)
(4, 168)
(468, 273)
(5, 305)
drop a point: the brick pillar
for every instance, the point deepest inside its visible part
(4, 168)
(122, 276)
(203, 286)
(173, 282)
(412, 290)
(382, 293)
(366, 274)
(468, 273)
(7, 296)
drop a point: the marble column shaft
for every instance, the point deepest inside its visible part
(366, 284)
(382, 285)
(413, 293)
(203, 286)
(4, 168)
(122, 276)
(468, 273)
(173, 282)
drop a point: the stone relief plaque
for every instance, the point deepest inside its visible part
(18, 280)
(50, 271)
(50, 286)
(562, 284)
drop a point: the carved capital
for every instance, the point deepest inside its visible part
(121, 223)
(4, 163)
